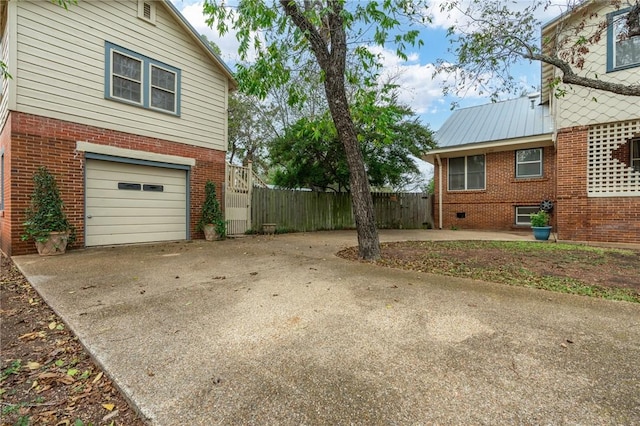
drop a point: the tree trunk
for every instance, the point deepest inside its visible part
(368, 241)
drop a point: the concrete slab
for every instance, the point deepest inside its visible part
(277, 330)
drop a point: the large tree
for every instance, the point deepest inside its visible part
(493, 35)
(310, 154)
(284, 32)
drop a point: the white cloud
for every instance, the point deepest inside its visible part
(457, 18)
(228, 43)
(419, 86)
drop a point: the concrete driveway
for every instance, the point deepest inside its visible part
(277, 330)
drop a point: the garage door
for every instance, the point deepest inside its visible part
(130, 203)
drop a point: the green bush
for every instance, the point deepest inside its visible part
(45, 213)
(541, 218)
(211, 212)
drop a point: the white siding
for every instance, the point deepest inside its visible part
(61, 69)
(4, 89)
(582, 106)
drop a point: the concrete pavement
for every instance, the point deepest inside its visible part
(277, 330)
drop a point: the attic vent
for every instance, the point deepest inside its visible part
(147, 11)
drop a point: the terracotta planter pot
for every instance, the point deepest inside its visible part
(55, 244)
(210, 232)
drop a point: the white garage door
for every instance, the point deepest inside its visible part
(130, 203)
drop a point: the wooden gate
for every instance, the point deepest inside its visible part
(239, 185)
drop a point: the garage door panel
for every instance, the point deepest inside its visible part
(110, 239)
(101, 203)
(136, 195)
(111, 185)
(159, 228)
(120, 216)
(124, 219)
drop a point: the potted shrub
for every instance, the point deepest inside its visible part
(47, 223)
(540, 225)
(212, 222)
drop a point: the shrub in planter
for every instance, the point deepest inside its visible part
(212, 222)
(540, 225)
(47, 223)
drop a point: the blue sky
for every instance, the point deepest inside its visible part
(418, 88)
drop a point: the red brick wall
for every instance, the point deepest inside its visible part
(5, 213)
(582, 218)
(494, 207)
(37, 141)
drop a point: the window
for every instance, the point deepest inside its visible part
(622, 51)
(529, 163)
(139, 80)
(523, 212)
(635, 154)
(466, 173)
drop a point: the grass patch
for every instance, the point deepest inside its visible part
(607, 273)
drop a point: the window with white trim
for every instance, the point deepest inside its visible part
(635, 154)
(529, 163)
(466, 173)
(523, 212)
(623, 51)
(137, 79)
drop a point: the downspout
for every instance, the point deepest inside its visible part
(439, 191)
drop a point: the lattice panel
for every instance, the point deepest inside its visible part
(607, 176)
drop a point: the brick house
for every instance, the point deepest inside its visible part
(496, 163)
(125, 104)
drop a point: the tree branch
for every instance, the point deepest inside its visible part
(311, 33)
(570, 77)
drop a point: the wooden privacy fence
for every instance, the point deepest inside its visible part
(312, 211)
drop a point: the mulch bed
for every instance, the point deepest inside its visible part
(46, 375)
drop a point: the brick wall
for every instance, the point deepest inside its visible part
(37, 141)
(582, 218)
(5, 213)
(494, 207)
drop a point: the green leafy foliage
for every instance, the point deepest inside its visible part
(211, 212)
(541, 218)
(45, 213)
(310, 154)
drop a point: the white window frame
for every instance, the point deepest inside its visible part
(518, 176)
(519, 214)
(466, 173)
(174, 91)
(146, 87)
(635, 161)
(112, 74)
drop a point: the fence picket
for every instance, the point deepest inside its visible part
(311, 211)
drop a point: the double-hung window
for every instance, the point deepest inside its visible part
(635, 154)
(529, 163)
(466, 173)
(137, 79)
(623, 50)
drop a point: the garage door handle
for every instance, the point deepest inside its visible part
(89, 216)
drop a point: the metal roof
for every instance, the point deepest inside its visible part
(515, 118)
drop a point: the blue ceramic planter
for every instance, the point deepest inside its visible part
(541, 232)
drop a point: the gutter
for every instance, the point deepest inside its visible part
(439, 191)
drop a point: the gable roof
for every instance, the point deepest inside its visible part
(196, 36)
(516, 118)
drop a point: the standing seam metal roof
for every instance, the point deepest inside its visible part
(515, 118)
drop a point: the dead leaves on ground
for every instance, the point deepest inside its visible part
(46, 377)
